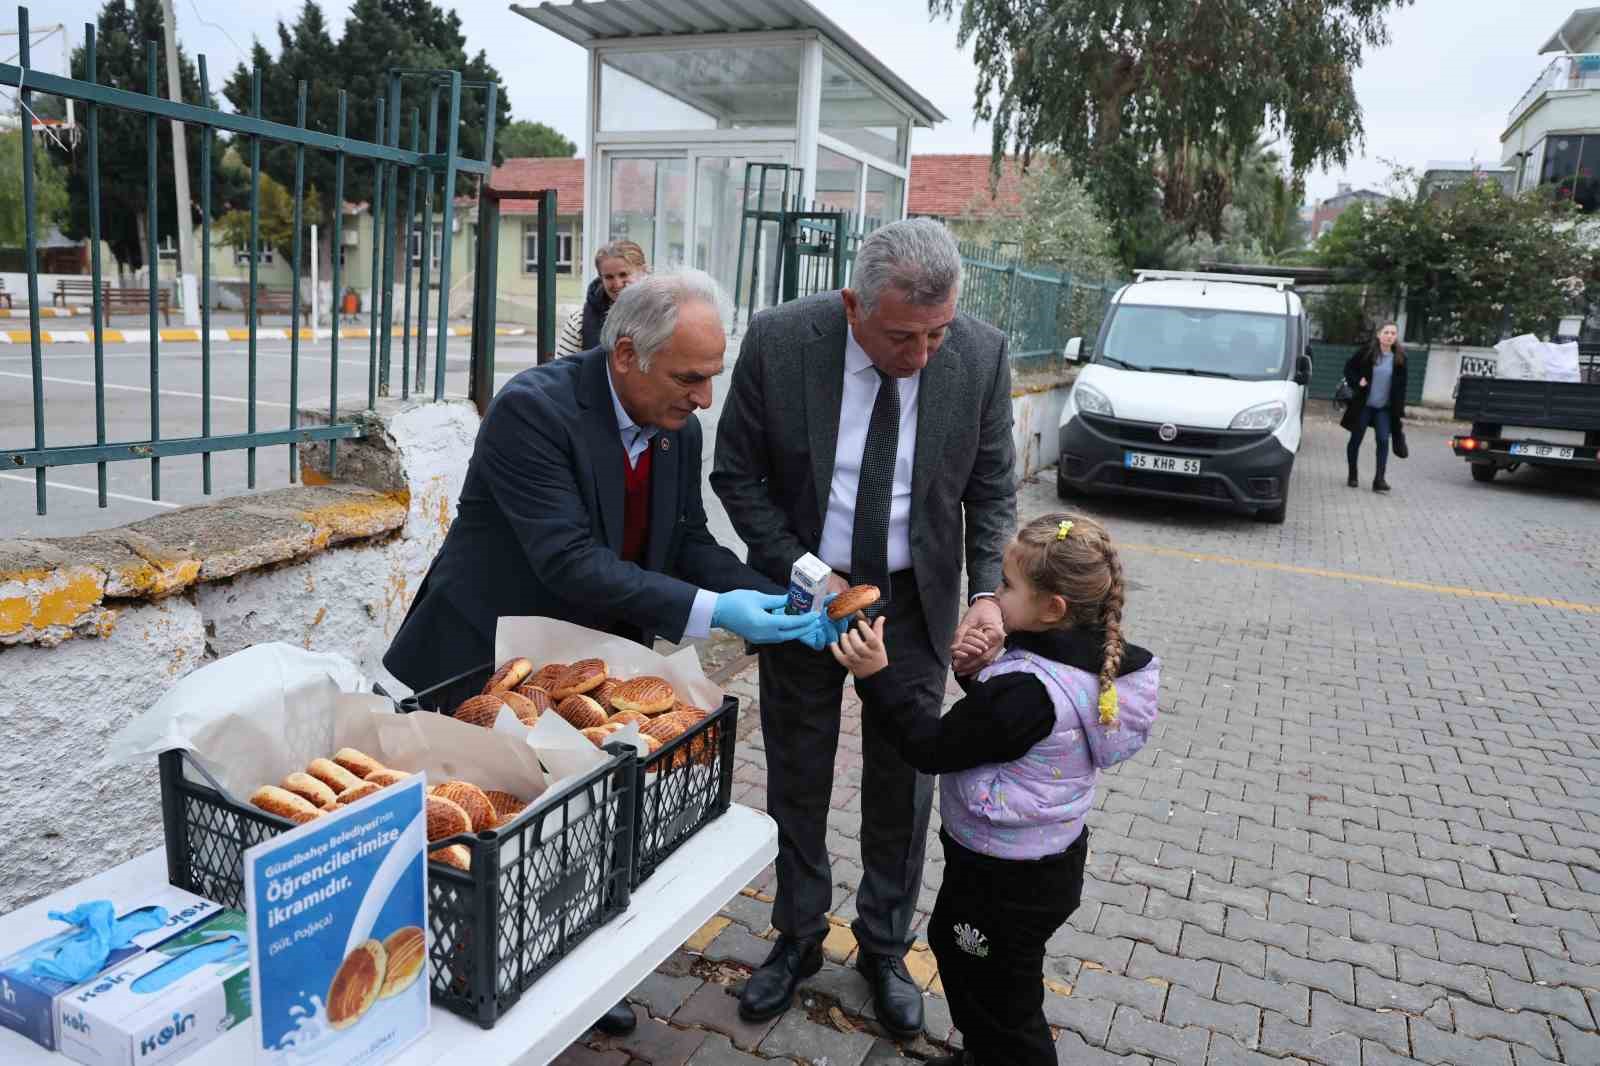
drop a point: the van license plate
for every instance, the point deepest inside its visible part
(1166, 464)
(1542, 451)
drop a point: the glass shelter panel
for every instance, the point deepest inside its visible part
(858, 115)
(724, 87)
(838, 181)
(885, 196)
(648, 205)
(719, 207)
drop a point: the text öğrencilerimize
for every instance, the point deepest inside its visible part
(330, 857)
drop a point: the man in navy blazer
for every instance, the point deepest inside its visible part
(582, 502)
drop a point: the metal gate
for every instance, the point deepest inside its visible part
(434, 160)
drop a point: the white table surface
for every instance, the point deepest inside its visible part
(683, 893)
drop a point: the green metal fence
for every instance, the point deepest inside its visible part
(1038, 308)
(435, 162)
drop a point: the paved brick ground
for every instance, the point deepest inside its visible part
(1366, 833)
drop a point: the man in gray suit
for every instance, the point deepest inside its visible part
(872, 428)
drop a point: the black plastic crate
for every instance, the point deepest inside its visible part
(537, 887)
(682, 788)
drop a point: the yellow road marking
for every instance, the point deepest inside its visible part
(1368, 579)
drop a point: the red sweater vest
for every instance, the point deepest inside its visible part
(636, 507)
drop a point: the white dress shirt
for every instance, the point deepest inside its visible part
(636, 440)
(855, 412)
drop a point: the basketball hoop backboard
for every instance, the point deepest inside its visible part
(49, 51)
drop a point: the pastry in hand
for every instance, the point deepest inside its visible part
(581, 712)
(284, 804)
(580, 677)
(853, 599)
(508, 677)
(479, 710)
(647, 695)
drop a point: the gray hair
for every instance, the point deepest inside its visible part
(646, 312)
(916, 257)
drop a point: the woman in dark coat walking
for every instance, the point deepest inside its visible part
(1376, 374)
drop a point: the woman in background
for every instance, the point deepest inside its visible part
(1376, 374)
(619, 264)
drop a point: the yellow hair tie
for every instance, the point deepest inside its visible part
(1108, 706)
(1063, 529)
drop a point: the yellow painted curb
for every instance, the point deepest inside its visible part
(703, 936)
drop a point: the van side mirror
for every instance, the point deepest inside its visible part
(1073, 352)
(1302, 370)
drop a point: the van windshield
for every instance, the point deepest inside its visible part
(1196, 340)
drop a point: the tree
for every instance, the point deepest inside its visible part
(1484, 263)
(1153, 101)
(276, 219)
(1057, 223)
(379, 35)
(522, 138)
(123, 28)
(49, 191)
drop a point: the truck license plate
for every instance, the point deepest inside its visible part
(1542, 451)
(1166, 464)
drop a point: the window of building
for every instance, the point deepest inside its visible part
(857, 114)
(530, 248)
(435, 251)
(838, 181)
(1570, 163)
(241, 256)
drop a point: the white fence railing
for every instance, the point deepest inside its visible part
(1572, 70)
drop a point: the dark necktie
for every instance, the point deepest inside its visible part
(869, 542)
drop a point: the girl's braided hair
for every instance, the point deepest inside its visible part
(1083, 568)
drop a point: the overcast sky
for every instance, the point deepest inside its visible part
(1441, 90)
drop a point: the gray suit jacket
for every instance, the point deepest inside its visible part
(779, 430)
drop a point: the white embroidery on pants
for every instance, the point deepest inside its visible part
(970, 940)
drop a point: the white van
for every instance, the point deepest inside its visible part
(1195, 389)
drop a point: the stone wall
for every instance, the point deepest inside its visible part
(95, 629)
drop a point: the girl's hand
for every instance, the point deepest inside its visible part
(1363, 383)
(861, 651)
(973, 652)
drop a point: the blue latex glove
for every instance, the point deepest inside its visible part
(102, 933)
(825, 630)
(759, 618)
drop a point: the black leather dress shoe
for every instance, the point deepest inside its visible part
(618, 1021)
(894, 994)
(770, 989)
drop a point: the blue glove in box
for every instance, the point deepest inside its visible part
(34, 977)
(165, 1004)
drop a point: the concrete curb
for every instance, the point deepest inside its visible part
(142, 336)
(44, 312)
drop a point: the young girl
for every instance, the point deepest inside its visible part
(1019, 756)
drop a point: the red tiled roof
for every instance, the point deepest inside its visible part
(565, 176)
(957, 186)
(953, 186)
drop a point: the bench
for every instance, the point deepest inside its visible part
(80, 288)
(135, 300)
(270, 301)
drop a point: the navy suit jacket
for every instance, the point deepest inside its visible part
(539, 527)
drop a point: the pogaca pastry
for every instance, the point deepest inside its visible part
(508, 677)
(356, 984)
(446, 819)
(526, 710)
(581, 712)
(580, 677)
(545, 677)
(853, 599)
(406, 953)
(470, 798)
(284, 804)
(479, 710)
(647, 695)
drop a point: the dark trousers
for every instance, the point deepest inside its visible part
(1378, 419)
(800, 692)
(988, 933)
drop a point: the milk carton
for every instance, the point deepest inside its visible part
(164, 1004)
(808, 583)
(28, 1000)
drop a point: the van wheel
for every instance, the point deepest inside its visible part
(1484, 472)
